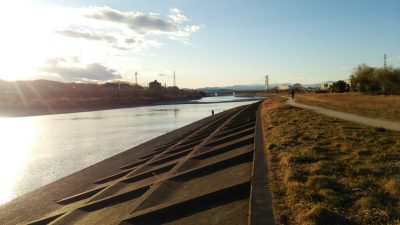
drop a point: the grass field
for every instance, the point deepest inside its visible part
(376, 106)
(326, 171)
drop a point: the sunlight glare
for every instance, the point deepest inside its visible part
(27, 38)
(17, 138)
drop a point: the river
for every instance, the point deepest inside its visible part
(37, 150)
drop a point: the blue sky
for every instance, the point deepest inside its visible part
(232, 42)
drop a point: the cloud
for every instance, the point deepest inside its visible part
(177, 16)
(394, 60)
(184, 34)
(70, 71)
(151, 23)
(344, 69)
(87, 35)
(127, 31)
(136, 21)
(130, 40)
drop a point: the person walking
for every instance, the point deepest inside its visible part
(292, 93)
(212, 112)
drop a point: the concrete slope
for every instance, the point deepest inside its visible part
(209, 172)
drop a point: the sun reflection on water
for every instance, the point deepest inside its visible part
(17, 136)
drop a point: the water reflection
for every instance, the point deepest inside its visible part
(17, 138)
(38, 150)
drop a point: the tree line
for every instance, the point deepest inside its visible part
(370, 80)
(57, 96)
(373, 80)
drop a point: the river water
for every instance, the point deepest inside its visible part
(37, 150)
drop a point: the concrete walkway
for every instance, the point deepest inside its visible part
(387, 124)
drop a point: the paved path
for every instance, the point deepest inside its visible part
(387, 124)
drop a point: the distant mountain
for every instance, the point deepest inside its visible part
(252, 87)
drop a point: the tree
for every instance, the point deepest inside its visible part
(155, 85)
(340, 87)
(297, 87)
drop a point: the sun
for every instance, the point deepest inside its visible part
(27, 38)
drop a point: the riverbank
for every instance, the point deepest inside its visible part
(35, 111)
(206, 167)
(328, 171)
(42, 97)
(79, 140)
(84, 106)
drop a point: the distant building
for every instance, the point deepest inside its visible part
(155, 85)
(282, 87)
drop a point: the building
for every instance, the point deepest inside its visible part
(282, 87)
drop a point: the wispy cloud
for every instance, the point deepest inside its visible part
(143, 24)
(112, 26)
(394, 60)
(88, 35)
(73, 70)
(302, 79)
(137, 21)
(344, 69)
(177, 16)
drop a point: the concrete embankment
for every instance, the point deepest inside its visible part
(210, 172)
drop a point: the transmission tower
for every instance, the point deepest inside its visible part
(136, 78)
(384, 62)
(174, 79)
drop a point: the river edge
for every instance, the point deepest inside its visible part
(14, 113)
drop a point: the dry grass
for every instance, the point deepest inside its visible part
(327, 171)
(376, 106)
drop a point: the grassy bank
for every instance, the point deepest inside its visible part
(327, 171)
(376, 106)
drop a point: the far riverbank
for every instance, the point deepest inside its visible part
(74, 108)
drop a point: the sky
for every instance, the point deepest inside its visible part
(207, 43)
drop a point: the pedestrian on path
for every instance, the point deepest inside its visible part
(292, 94)
(212, 112)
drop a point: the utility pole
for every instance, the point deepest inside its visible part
(384, 62)
(174, 79)
(266, 83)
(136, 78)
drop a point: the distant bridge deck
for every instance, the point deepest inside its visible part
(210, 172)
